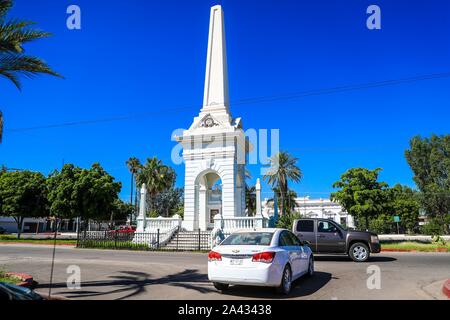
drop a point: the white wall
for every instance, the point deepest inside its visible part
(316, 208)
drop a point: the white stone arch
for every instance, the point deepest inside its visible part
(205, 179)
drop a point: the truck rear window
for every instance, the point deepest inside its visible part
(305, 226)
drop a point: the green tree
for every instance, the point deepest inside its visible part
(86, 193)
(168, 203)
(361, 194)
(382, 224)
(429, 159)
(14, 34)
(282, 168)
(64, 202)
(157, 177)
(405, 204)
(121, 210)
(23, 194)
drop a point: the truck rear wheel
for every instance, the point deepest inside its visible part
(359, 252)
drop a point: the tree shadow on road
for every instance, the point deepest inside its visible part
(302, 287)
(344, 258)
(130, 284)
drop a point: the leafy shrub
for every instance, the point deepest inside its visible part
(433, 227)
(381, 225)
(286, 221)
(439, 240)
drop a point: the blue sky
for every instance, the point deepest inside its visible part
(139, 56)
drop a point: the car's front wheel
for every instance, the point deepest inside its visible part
(221, 286)
(286, 281)
(359, 252)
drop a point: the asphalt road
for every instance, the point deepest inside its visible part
(107, 274)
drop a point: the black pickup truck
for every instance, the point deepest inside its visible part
(327, 236)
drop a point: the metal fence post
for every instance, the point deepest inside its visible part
(157, 239)
(178, 235)
(199, 240)
(78, 233)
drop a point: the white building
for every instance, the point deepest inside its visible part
(316, 208)
(37, 225)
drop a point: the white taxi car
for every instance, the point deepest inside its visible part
(264, 257)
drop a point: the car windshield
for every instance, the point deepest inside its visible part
(248, 239)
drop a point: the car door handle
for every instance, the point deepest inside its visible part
(321, 236)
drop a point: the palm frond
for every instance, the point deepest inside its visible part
(12, 77)
(13, 65)
(5, 5)
(14, 34)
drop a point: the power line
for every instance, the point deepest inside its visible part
(344, 88)
(297, 95)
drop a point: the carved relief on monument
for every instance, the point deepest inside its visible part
(208, 122)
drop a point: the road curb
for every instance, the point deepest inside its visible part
(446, 288)
(411, 250)
(26, 279)
(37, 244)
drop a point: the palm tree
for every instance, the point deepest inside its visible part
(250, 199)
(157, 177)
(282, 168)
(290, 200)
(134, 165)
(13, 62)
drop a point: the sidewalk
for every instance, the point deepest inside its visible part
(406, 237)
(47, 235)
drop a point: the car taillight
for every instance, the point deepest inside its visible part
(214, 256)
(265, 257)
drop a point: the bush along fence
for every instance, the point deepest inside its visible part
(167, 240)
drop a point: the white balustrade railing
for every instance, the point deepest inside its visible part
(163, 224)
(231, 224)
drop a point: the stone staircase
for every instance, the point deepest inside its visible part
(189, 241)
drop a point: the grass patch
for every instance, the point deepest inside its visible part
(8, 279)
(124, 245)
(127, 245)
(416, 246)
(13, 239)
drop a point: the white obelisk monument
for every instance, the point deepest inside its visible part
(214, 145)
(141, 219)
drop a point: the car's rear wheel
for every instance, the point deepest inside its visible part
(359, 252)
(286, 281)
(221, 286)
(311, 266)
